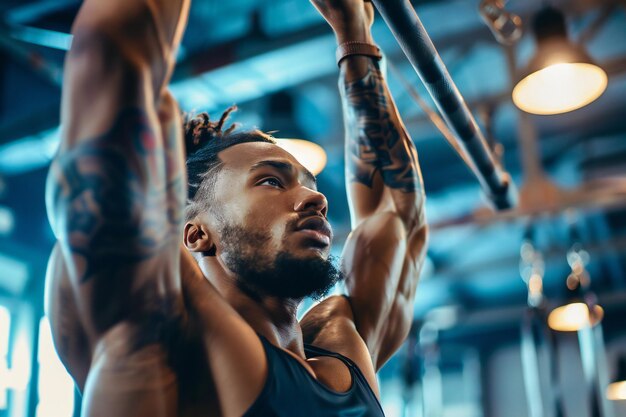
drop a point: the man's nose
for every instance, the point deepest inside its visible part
(312, 201)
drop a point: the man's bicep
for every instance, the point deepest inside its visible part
(382, 261)
(373, 259)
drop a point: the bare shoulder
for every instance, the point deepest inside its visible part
(330, 325)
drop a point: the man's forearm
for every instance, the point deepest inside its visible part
(376, 140)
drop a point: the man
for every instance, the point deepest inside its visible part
(147, 330)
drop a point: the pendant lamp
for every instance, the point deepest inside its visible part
(311, 155)
(561, 76)
(580, 309)
(617, 389)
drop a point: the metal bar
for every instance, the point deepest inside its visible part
(30, 12)
(602, 372)
(588, 352)
(598, 23)
(530, 365)
(434, 117)
(419, 49)
(538, 342)
(46, 69)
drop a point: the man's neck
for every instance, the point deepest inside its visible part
(273, 318)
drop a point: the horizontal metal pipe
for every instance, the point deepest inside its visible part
(406, 27)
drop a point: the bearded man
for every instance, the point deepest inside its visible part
(150, 327)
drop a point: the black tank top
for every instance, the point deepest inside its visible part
(291, 391)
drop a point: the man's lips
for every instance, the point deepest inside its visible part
(317, 228)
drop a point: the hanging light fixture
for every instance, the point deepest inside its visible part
(532, 269)
(311, 155)
(536, 341)
(561, 76)
(505, 26)
(581, 309)
(617, 389)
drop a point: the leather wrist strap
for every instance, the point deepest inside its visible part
(357, 48)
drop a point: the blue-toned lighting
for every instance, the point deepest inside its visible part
(257, 76)
(14, 274)
(29, 153)
(7, 221)
(5, 331)
(235, 83)
(19, 374)
(42, 37)
(56, 388)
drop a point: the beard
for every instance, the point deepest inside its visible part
(283, 276)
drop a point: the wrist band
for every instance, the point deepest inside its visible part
(357, 48)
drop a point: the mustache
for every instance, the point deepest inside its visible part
(310, 220)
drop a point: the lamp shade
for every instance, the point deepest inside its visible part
(580, 309)
(617, 389)
(311, 155)
(560, 76)
(574, 316)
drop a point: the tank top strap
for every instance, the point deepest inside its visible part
(314, 351)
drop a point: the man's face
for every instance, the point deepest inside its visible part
(271, 222)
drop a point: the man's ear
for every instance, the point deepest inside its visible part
(197, 238)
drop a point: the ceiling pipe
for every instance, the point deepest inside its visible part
(46, 69)
(406, 27)
(591, 31)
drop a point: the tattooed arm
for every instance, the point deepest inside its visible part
(115, 195)
(383, 254)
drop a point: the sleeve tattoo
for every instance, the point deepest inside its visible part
(110, 197)
(376, 140)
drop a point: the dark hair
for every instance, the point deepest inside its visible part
(204, 140)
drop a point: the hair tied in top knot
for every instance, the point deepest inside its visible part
(200, 130)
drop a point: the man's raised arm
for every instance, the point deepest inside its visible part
(384, 253)
(116, 188)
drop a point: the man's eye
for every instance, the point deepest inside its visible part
(273, 182)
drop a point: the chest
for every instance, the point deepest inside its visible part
(292, 389)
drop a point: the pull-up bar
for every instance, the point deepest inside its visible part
(419, 49)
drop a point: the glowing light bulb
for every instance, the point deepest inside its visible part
(561, 76)
(616, 391)
(560, 88)
(573, 317)
(535, 284)
(311, 155)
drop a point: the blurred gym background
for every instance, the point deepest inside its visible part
(520, 313)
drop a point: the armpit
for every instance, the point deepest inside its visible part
(320, 317)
